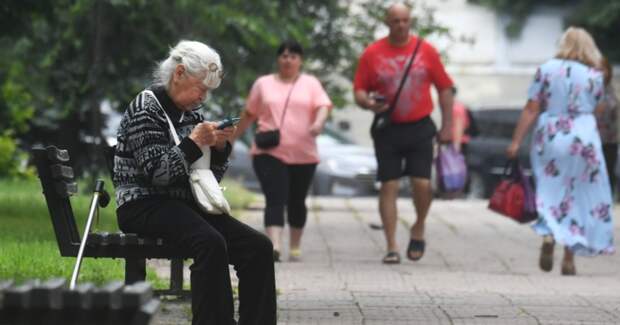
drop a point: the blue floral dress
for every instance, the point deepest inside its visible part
(573, 195)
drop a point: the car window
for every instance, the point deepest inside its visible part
(499, 123)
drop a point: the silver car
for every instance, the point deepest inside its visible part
(346, 169)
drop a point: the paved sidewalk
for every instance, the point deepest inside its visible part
(479, 268)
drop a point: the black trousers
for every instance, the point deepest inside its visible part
(214, 242)
(284, 185)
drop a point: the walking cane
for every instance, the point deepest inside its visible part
(100, 198)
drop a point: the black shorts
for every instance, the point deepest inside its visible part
(405, 149)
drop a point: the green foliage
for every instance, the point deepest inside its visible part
(7, 151)
(12, 160)
(602, 20)
(65, 57)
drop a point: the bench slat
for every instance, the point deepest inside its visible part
(48, 294)
(65, 189)
(109, 296)
(20, 296)
(136, 294)
(57, 155)
(81, 297)
(60, 172)
(147, 311)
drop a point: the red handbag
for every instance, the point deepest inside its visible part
(509, 197)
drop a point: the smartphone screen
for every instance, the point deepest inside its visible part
(379, 98)
(228, 122)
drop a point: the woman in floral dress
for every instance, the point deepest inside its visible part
(572, 188)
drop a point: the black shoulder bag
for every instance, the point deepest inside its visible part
(271, 139)
(382, 120)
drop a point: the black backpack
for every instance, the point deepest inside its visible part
(472, 130)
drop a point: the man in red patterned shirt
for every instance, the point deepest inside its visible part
(405, 146)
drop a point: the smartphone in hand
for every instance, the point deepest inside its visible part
(379, 98)
(228, 122)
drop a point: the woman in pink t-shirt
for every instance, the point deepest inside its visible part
(297, 105)
(460, 123)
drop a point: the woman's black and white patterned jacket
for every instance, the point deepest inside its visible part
(147, 163)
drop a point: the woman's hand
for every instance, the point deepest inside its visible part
(512, 150)
(316, 129)
(204, 134)
(223, 136)
(319, 122)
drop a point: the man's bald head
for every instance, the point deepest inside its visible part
(397, 9)
(398, 20)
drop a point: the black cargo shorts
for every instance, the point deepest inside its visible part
(405, 149)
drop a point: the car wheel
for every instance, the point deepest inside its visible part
(476, 186)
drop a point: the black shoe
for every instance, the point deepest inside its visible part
(375, 226)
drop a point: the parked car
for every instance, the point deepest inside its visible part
(486, 153)
(345, 169)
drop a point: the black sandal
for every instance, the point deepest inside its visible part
(391, 258)
(416, 246)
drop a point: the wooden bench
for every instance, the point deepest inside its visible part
(52, 303)
(58, 183)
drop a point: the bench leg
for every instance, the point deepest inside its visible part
(135, 270)
(176, 275)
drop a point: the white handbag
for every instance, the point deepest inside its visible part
(205, 188)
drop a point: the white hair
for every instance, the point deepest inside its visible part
(199, 60)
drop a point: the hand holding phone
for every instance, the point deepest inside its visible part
(379, 98)
(228, 122)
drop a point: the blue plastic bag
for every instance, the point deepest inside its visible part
(451, 169)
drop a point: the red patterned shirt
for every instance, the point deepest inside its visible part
(381, 68)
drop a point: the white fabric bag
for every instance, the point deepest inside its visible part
(205, 188)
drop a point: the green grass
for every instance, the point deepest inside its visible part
(28, 247)
(237, 196)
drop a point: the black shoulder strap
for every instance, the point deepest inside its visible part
(402, 81)
(286, 102)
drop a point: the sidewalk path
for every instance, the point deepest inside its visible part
(479, 268)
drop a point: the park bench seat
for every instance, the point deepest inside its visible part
(58, 183)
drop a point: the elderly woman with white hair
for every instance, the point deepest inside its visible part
(154, 197)
(573, 196)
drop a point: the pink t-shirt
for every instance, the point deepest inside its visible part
(266, 103)
(459, 112)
